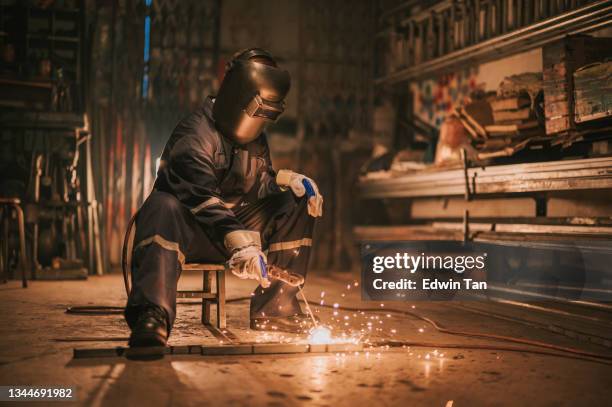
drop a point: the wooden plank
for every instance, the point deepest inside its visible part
(510, 103)
(501, 116)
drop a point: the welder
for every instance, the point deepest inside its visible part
(217, 199)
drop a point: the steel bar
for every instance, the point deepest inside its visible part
(593, 173)
(222, 350)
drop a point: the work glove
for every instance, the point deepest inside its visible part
(247, 260)
(300, 185)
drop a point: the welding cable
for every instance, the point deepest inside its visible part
(126, 255)
(441, 329)
(583, 355)
(94, 310)
(483, 346)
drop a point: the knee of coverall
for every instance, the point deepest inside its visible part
(162, 203)
(289, 203)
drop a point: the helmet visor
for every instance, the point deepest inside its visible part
(264, 109)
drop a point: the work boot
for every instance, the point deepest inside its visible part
(298, 323)
(151, 328)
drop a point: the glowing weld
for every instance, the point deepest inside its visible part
(320, 335)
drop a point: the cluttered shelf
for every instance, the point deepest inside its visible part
(419, 42)
(548, 130)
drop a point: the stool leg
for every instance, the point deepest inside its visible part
(206, 285)
(221, 299)
(22, 246)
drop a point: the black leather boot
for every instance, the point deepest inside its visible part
(151, 328)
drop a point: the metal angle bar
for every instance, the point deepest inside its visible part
(223, 350)
(591, 247)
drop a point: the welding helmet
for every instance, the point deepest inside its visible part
(251, 95)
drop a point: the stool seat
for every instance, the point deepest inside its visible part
(208, 297)
(203, 267)
(10, 201)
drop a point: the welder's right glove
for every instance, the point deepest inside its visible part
(302, 185)
(247, 260)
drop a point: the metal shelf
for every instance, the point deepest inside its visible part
(589, 173)
(592, 239)
(580, 20)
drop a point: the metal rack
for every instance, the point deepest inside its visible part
(420, 40)
(70, 199)
(450, 34)
(506, 181)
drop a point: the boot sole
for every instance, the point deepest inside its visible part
(146, 340)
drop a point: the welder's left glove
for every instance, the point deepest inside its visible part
(247, 260)
(300, 185)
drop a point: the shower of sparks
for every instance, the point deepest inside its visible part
(320, 335)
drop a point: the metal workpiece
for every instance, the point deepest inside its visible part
(221, 350)
(592, 173)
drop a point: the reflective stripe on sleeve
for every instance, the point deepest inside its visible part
(209, 202)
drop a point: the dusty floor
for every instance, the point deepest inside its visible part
(38, 337)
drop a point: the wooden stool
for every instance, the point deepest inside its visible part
(14, 204)
(206, 294)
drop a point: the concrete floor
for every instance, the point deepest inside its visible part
(37, 339)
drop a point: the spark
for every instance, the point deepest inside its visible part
(320, 335)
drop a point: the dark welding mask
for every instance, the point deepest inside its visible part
(251, 95)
